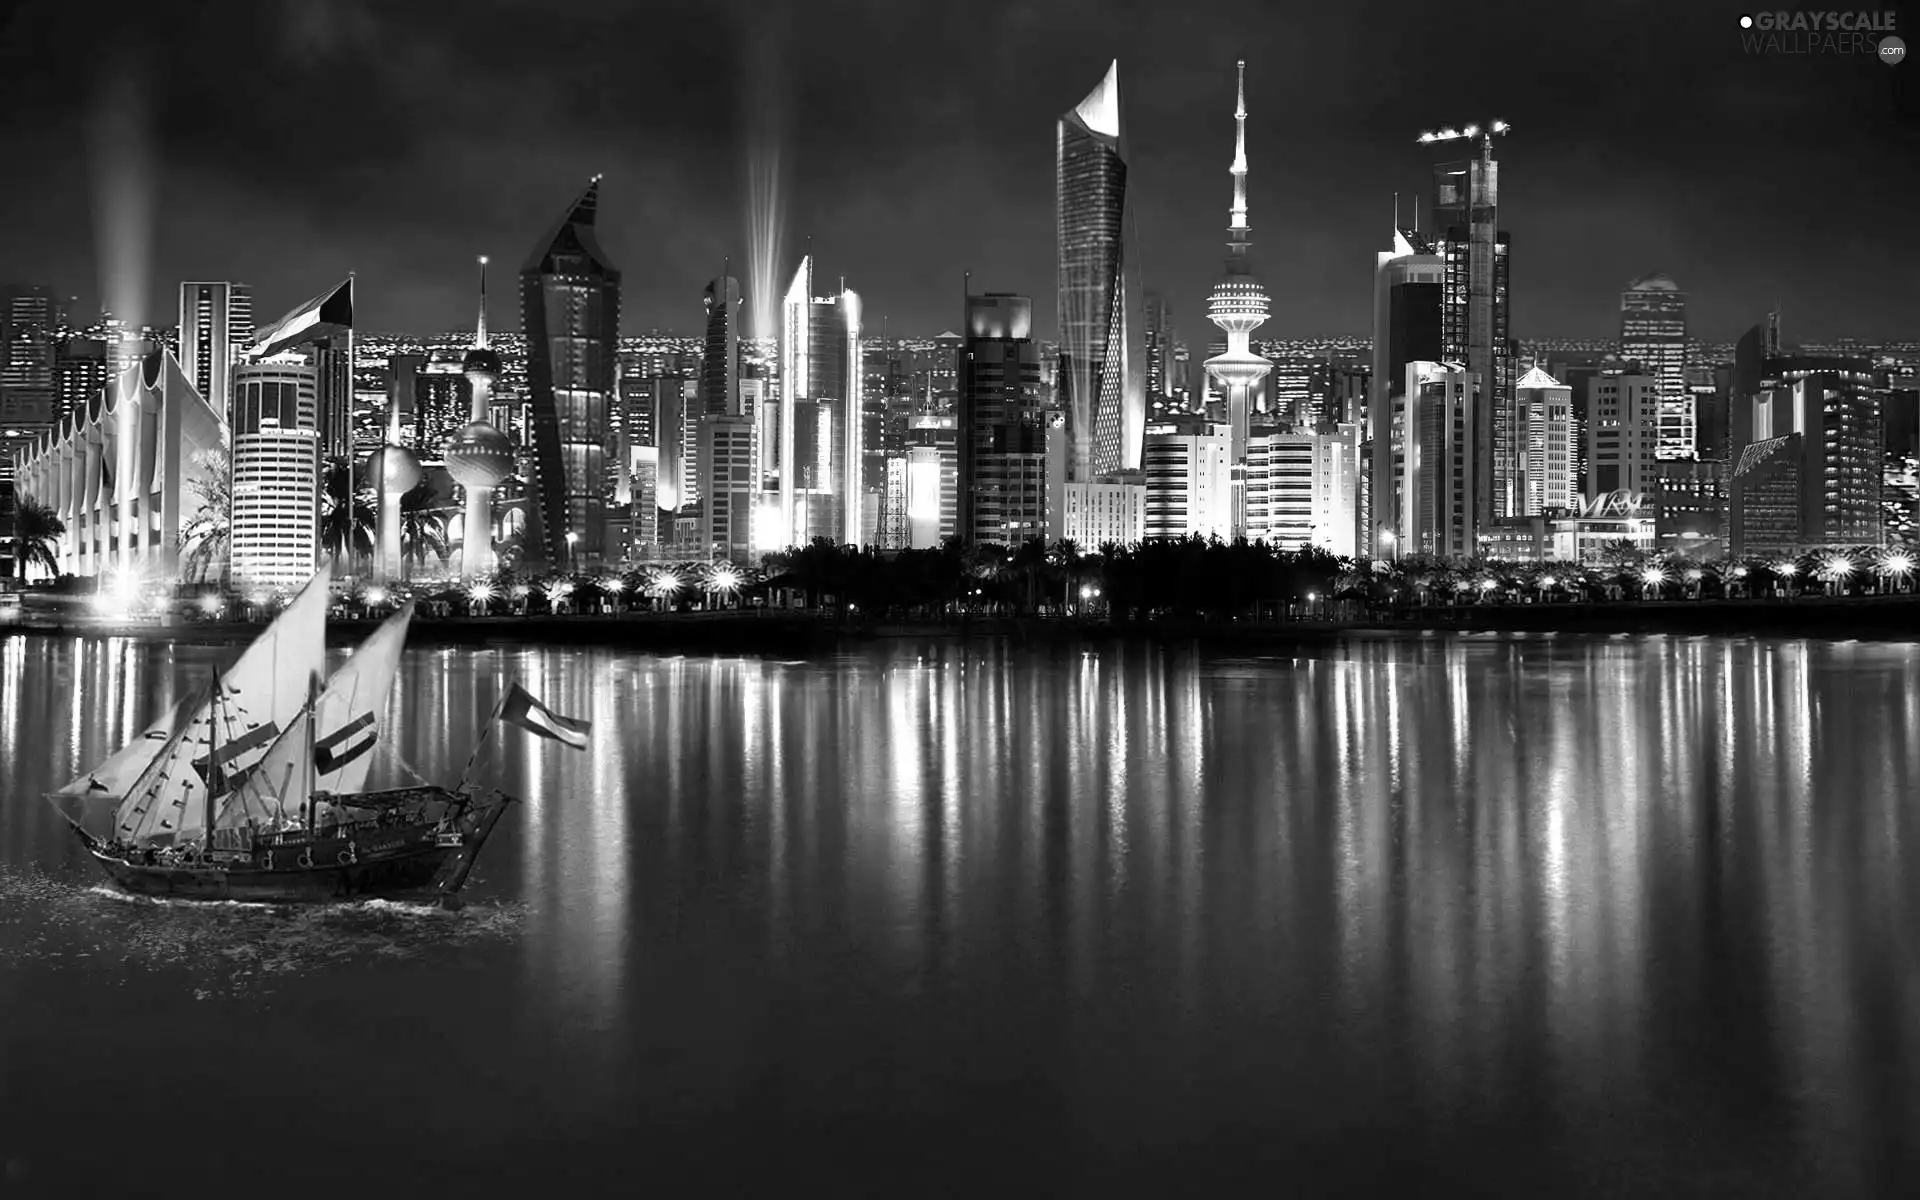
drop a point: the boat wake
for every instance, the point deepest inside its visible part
(225, 947)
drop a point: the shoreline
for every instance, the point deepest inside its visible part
(1880, 618)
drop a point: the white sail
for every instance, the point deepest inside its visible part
(348, 720)
(113, 778)
(258, 697)
(274, 793)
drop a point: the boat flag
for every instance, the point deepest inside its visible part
(520, 708)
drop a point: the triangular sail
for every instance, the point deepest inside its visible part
(348, 717)
(114, 778)
(275, 793)
(259, 696)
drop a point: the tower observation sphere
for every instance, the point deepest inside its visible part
(479, 456)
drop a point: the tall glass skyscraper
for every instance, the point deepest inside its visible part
(1100, 363)
(820, 445)
(570, 312)
(1653, 333)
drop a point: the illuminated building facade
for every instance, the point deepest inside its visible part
(932, 480)
(119, 471)
(1114, 510)
(1474, 320)
(570, 312)
(1302, 488)
(1001, 427)
(1653, 335)
(1103, 389)
(276, 472)
(728, 486)
(821, 416)
(1188, 470)
(1436, 454)
(720, 364)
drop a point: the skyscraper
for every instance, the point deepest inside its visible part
(1238, 306)
(1474, 319)
(216, 323)
(821, 377)
(1406, 329)
(1002, 435)
(1653, 333)
(720, 365)
(29, 325)
(1545, 406)
(1623, 429)
(570, 312)
(1158, 346)
(1100, 378)
(276, 471)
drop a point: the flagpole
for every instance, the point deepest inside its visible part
(492, 721)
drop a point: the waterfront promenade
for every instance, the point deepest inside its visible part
(1895, 617)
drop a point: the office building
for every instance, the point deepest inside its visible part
(821, 386)
(720, 364)
(1001, 426)
(216, 325)
(1303, 488)
(1653, 338)
(1623, 430)
(1437, 464)
(570, 313)
(1407, 284)
(729, 489)
(1101, 384)
(275, 537)
(1474, 320)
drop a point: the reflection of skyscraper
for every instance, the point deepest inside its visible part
(1653, 333)
(1104, 391)
(820, 415)
(216, 320)
(570, 311)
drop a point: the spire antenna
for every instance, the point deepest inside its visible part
(480, 333)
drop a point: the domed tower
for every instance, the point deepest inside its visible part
(478, 456)
(1238, 306)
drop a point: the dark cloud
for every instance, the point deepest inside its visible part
(303, 139)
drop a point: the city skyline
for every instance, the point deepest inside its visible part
(1711, 206)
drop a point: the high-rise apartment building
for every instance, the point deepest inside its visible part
(1188, 469)
(1102, 386)
(29, 332)
(1833, 407)
(1653, 335)
(1545, 407)
(1002, 435)
(80, 370)
(570, 312)
(821, 386)
(729, 489)
(216, 324)
(1303, 486)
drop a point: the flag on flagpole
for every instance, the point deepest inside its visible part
(520, 708)
(321, 316)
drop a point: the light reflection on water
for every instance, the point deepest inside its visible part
(1599, 890)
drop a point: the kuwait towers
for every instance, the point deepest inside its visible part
(1238, 306)
(479, 457)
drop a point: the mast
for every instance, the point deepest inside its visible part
(214, 772)
(313, 779)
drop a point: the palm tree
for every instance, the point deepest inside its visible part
(347, 518)
(423, 530)
(205, 537)
(33, 535)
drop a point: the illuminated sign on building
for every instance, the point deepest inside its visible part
(1611, 504)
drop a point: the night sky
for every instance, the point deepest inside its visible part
(292, 142)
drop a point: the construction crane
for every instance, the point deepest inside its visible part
(1469, 133)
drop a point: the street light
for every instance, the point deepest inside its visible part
(573, 539)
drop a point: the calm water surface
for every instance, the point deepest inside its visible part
(1490, 915)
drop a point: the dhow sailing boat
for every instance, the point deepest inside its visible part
(252, 788)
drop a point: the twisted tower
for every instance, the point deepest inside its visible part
(1238, 306)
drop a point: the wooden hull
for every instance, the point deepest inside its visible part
(373, 860)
